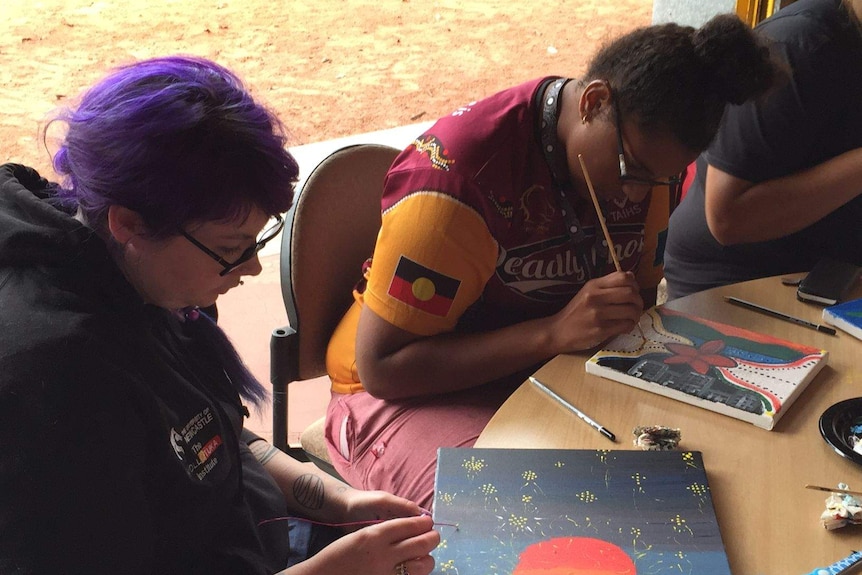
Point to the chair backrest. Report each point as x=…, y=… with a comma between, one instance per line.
x=330, y=231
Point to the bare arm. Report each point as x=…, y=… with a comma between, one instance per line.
x=377, y=550
x=393, y=363
x=396, y=532
x=317, y=495
x=738, y=211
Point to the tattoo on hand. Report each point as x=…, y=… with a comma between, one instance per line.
x=308, y=491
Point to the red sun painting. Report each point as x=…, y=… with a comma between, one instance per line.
x=574, y=556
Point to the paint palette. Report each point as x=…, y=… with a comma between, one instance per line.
x=841, y=427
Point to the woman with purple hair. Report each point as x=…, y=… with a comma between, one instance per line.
x=121, y=401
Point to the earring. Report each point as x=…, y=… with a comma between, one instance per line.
x=584, y=119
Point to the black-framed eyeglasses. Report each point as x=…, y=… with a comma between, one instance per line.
x=249, y=253
x=672, y=183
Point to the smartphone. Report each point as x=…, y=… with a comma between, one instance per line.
x=828, y=281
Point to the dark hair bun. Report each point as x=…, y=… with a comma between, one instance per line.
x=736, y=64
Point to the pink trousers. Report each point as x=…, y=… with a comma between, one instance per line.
x=392, y=445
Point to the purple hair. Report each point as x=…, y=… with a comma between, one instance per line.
x=176, y=139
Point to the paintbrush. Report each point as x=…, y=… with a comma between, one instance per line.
x=599, y=215
x=605, y=231
x=833, y=490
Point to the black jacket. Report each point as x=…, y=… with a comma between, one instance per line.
x=119, y=432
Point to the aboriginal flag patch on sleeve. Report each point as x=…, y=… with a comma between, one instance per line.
x=423, y=288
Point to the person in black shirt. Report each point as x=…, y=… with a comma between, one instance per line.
x=780, y=186
x=121, y=402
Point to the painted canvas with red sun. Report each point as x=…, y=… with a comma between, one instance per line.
x=575, y=512
x=751, y=376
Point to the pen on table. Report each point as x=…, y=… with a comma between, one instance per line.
x=589, y=421
x=833, y=490
x=779, y=315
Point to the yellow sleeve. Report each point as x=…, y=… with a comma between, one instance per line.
x=433, y=257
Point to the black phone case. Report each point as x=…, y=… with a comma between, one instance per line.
x=828, y=281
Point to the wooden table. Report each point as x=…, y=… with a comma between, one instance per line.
x=770, y=523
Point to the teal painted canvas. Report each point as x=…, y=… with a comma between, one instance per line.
x=575, y=512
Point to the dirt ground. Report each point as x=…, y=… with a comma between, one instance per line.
x=329, y=68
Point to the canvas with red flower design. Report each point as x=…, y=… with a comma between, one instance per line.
x=744, y=374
